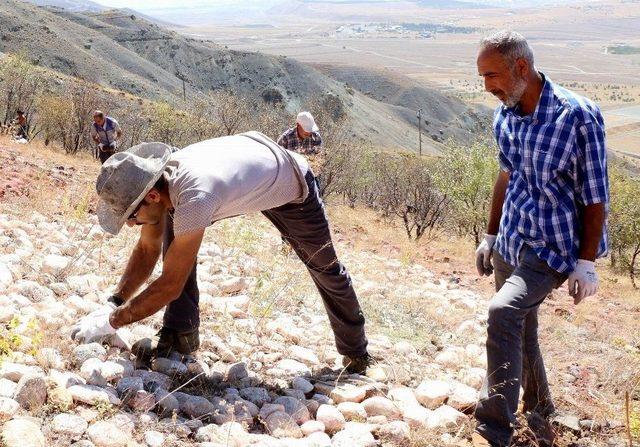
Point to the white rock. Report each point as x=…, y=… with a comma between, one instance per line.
x=451, y=357
x=463, y=398
x=292, y=367
x=55, y=264
x=233, y=285
x=318, y=439
x=92, y=395
x=50, y=358
x=154, y=438
x=7, y=388
x=433, y=393
x=353, y=437
x=395, y=433
x=331, y=417
x=405, y=348
x=446, y=417
x=312, y=427
x=281, y=425
x=352, y=411
x=21, y=433
x=381, y=406
x=82, y=353
x=416, y=416
x=403, y=396
x=6, y=277
x=348, y=393
x=107, y=434
x=15, y=371
x=69, y=425
x=304, y=355
x=8, y=408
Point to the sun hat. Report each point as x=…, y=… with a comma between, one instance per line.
x=305, y=119
x=125, y=178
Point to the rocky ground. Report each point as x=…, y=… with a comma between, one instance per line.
x=267, y=373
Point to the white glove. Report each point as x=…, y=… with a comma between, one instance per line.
x=483, y=255
x=583, y=281
x=94, y=326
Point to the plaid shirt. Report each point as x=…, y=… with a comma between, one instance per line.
x=291, y=141
x=558, y=164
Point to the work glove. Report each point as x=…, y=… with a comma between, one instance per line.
x=94, y=326
x=483, y=255
x=583, y=281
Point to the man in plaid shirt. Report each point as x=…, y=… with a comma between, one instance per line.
x=304, y=138
x=547, y=224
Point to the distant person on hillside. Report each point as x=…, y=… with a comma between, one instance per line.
x=304, y=138
x=20, y=123
x=547, y=224
x=105, y=132
x=175, y=196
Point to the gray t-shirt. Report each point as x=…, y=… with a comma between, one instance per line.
x=229, y=176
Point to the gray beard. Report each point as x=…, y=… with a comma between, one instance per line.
x=514, y=98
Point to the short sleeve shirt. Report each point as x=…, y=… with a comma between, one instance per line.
x=558, y=164
x=230, y=176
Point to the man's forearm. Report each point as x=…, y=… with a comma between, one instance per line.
x=159, y=293
x=139, y=268
x=593, y=217
x=497, y=201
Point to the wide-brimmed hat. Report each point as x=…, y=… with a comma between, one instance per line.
x=305, y=119
x=125, y=178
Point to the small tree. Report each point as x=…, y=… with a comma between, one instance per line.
x=20, y=84
x=409, y=192
x=468, y=175
x=624, y=222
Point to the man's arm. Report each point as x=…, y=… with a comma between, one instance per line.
x=497, y=201
x=142, y=260
x=177, y=266
x=593, y=218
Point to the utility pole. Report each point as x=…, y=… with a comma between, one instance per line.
x=420, y=132
x=184, y=88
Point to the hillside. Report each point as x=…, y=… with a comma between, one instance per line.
x=125, y=52
x=267, y=374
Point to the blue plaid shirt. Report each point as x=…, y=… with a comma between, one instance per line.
x=558, y=164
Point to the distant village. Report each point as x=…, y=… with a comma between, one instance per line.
x=401, y=30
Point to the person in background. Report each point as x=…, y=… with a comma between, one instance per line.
x=21, y=126
x=304, y=138
x=105, y=132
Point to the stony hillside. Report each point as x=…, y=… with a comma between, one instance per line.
x=123, y=51
x=267, y=373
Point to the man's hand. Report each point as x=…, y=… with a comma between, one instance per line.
x=483, y=255
x=94, y=326
x=583, y=281
x=100, y=146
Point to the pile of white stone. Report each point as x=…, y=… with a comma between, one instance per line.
x=260, y=379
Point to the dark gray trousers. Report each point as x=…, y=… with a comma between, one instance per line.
x=306, y=228
x=513, y=352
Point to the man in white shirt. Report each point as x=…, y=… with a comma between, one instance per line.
x=174, y=196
